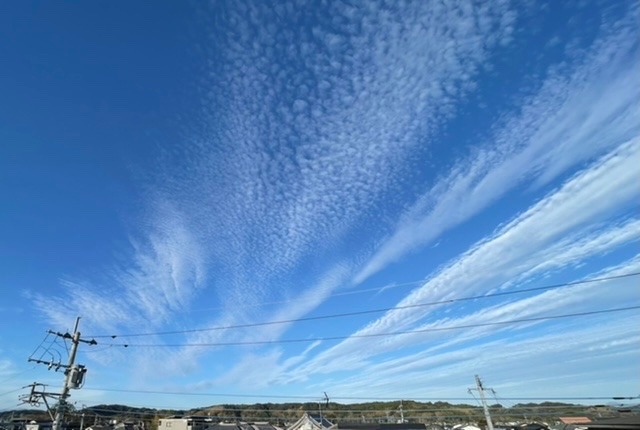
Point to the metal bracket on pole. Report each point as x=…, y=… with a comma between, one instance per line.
x=74, y=377
x=481, y=390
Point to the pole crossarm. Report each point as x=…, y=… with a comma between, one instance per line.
x=50, y=364
x=74, y=377
x=34, y=397
x=481, y=390
x=70, y=337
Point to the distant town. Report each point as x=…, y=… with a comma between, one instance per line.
x=399, y=415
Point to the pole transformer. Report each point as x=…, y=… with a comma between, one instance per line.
x=73, y=375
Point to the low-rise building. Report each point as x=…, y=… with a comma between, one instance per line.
x=312, y=422
x=184, y=423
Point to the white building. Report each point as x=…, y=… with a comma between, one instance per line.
x=312, y=422
x=185, y=423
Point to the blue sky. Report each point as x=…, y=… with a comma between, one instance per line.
x=178, y=167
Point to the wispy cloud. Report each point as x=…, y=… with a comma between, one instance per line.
x=576, y=249
x=289, y=152
x=184, y=359
x=311, y=141
x=312, y=122
x=446, y=357
x=162, y=278
x=576, y=352
x=574, y=116
x=589, y=197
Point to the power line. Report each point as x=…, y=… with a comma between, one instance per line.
x=143, y=410
x=40, y=345
x=312, y=398
x=533, y=408
x=74, y=377
x=370, y=335
x=15, y=375
x=339, y=294
x=98, y=350
x=137, y=408
x=9, y=392
x=371, y=311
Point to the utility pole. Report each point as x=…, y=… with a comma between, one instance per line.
x=35, y=396
x=481, y=390
x=75, y=340
x=74, y=374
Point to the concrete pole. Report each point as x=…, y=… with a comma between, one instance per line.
x=484, y=403
x=75, y=340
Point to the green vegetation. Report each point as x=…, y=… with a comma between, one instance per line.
x=282, y=413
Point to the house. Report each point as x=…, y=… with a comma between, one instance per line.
x=99, y=427
x=316, y=422
x=312, y=422
x=531, y=426
x=229, y=426
x=184, y=423
x=630, y=422
x=381, y=426
x=242, y=426
x=264, y=426
x=574, y=420
x=466, y=427
x=35, y=425
x=206, y=423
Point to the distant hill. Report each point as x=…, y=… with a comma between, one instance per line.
x=282, y=413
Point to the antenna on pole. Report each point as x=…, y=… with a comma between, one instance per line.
x=326, y=401
x=481, y=390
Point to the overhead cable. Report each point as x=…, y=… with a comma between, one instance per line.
x=312, y=398
x=513, y=410
x=370, y=335
x=337, y=294
x=371, y=311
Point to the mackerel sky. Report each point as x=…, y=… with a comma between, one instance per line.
x=185, y=172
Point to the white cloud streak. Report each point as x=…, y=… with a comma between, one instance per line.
x=577, y=352
x=164, y=276
x=574, y=117
x=304, y=129
x=589, y=197
x=309, y=128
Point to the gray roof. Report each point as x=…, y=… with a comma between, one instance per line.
x=630, y=422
